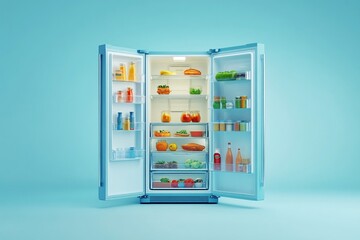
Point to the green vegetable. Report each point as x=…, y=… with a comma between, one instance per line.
x=182, y=132
x=160, y=162
x=165, y=180
x=226, y=75
x=195, y=91
x=163, y=86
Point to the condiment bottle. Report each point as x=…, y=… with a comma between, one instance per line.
x=239, y=162
x=129, y=97
x=243, y=101
x=223, y=102
x=216, y=104
x=119, y=96
x=122, y=72
x=132, y=72
x=217, y=160
x=119, y=121
x=126, y=123
x=229, y=159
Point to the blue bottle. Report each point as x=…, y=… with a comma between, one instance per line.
x=132, y=123
x=119, y=121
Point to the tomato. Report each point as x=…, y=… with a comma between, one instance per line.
x=185, y=117
x=189, y=182
x=195, y=117
x=174, y=183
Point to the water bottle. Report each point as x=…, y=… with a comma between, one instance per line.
x=132, y=123
x=119, y=121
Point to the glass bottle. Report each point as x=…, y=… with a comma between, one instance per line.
x=239, y=162
x=223, y=102
x=122, y=72
x=217, y=160
x=129, y=96
x=119, y=125
x=229, y=159
x=216, y=104
x=132, y=76
x=126, y=123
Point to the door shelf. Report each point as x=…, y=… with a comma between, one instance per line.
x=230, y=109
x=178, y=77
x=232, y=168
x=231, y=81
x=126, y=81
x=136, y=100
x=138, y=127
x=125, y=159
x=127, y=155
x=178, y=153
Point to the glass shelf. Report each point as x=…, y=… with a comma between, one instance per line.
x=125, y=159
x=179, y=96
x=178, y=77
x=229, y=81
x=125, y=155
x=178, y=152
x=177, y=124
x=229, y=109
x=136, y=100
x=138, y=127
x=126, y=81
x=230, y=132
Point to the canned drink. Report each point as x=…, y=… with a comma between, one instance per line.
x=222, y=126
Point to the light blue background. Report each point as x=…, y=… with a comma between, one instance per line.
x=49, y=83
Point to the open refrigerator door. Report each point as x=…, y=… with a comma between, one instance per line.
x=122, y=123
x=237, y=121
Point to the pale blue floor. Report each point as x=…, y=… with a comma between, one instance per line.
x=79, y=215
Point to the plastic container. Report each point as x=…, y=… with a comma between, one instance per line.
x=197, y=133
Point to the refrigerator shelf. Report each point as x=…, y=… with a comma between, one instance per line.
x=178, y=138
x=230, y=109
x=137, y=100
x=126, y=159
x=231, y=132
x=233, y=80
x=126, y=81
x=178, y=77
x=179, y=152
x=179, y=96
x=177, y=124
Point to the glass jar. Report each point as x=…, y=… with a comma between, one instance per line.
x=222, y=126
x=216, y=127
x=243, y=101
x=216, y=103
x=237, y=126
x=237, y=102
x=223, y=102
x=229, y=126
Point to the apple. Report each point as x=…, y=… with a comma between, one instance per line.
x=174, y=183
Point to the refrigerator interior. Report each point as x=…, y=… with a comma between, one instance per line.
x=234, y=124
x=126, y=140
x=178, y=165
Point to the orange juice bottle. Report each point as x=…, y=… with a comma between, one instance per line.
x=122, y=72
x=132, y=71
x=229, y=159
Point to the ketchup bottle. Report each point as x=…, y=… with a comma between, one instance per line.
x=130, y=97
x=217, y=160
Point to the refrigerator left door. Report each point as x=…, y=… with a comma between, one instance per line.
x=122, y=123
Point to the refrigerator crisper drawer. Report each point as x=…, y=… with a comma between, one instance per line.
x=179, y=181
x=179, y=162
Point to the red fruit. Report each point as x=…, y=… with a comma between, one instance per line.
x=174, y=183
x=189, y=183
x=185, y=117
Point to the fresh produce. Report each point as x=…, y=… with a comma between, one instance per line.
x=174, y=183
x=182, y=133
x=194, y=164
x=189, y=183
x=161, y=145
x=164, y=180
x=227, y=75
x=181, y=183
x=185, y=117
x=193, y=147
x=192, y=71
x=198, y=183
x=163, y=89
x=195, y=117
x=162, y=133
x=163, y=164
x=172, y=147
x=166, y=72
x=165, y=117
x=195, y=91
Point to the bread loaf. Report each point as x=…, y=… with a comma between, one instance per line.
x=192, y=71
x=193, y=147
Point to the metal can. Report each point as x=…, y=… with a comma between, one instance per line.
x=237, y=126
x=243, y=126
x=222, y=126
x=229, y=126
x=216, y=126
x=237, y=102
x=243, y=100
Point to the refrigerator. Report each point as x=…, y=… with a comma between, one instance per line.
x=165, y=117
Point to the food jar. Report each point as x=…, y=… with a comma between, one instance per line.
x=237, y=126
x=216, y=127
x=165, y=116
x=223, y=102
x=195, y=116
x=243, y=126
x=243, y=101
x=216, y=103
x=237, y=102
x=186, y=117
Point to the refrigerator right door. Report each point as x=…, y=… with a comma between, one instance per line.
x=237, y=121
